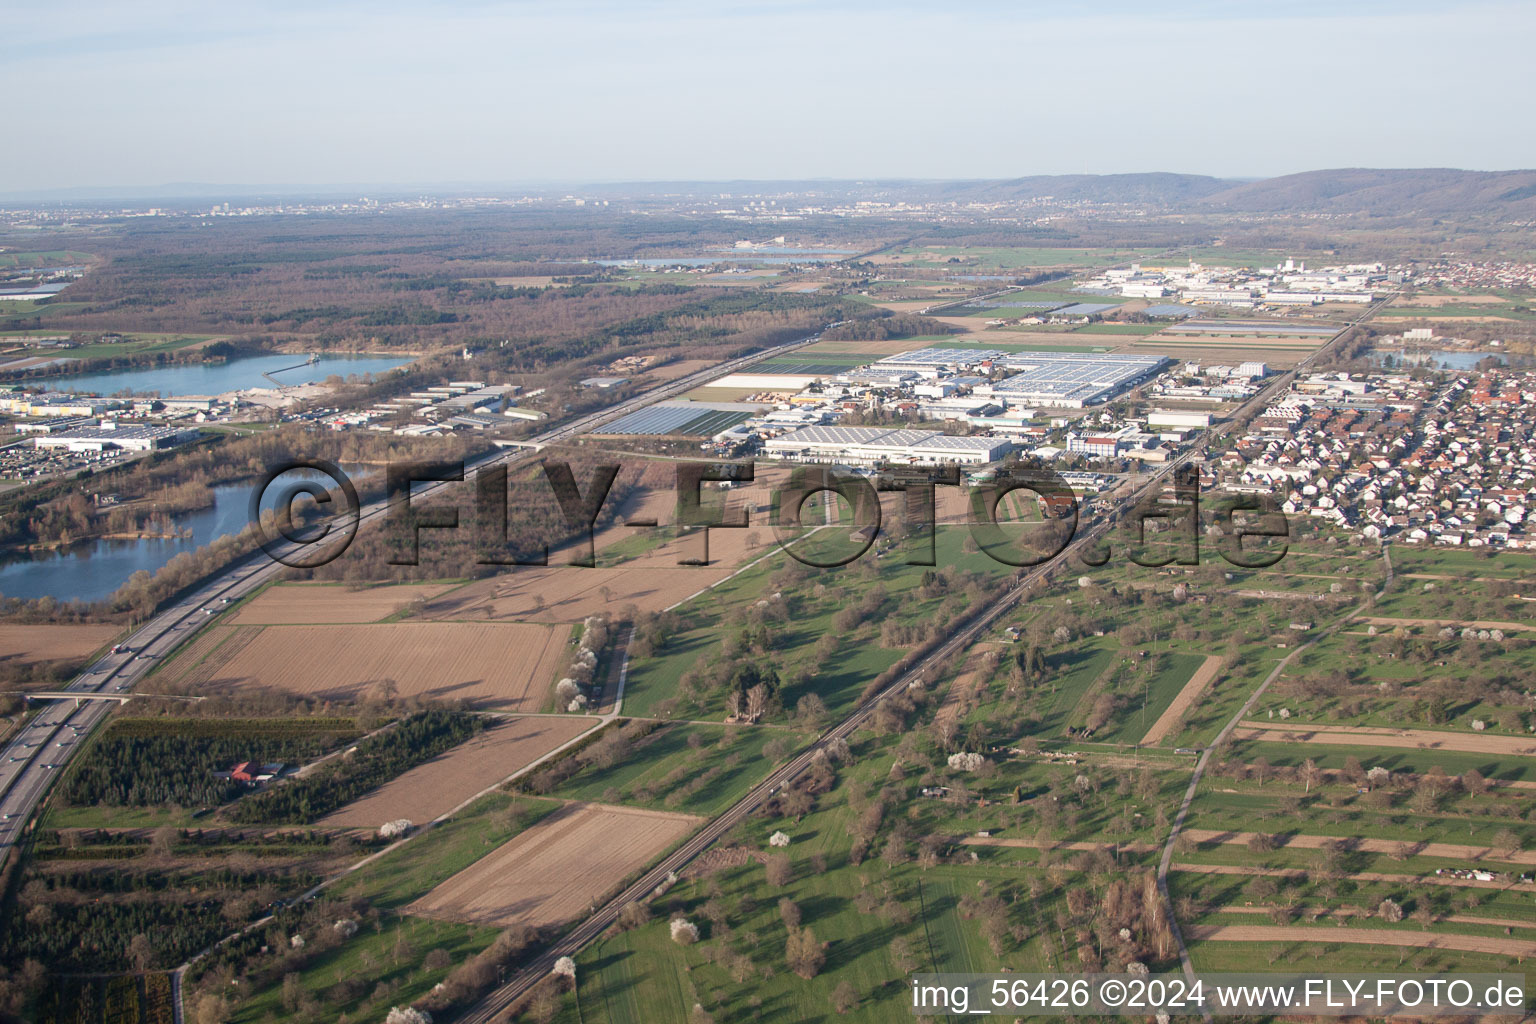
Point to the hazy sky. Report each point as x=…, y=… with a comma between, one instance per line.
x=269, y=91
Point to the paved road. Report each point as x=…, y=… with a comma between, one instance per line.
x=38, y=753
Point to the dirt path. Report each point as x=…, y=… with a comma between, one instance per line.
x=1373, y=736
x=1352, y=913
x=1038, y=844
x=1366, y=936
x=1449, y=851
x=618, y=667
x=1202, y=678
x=1358, y=876
x=1478, y=624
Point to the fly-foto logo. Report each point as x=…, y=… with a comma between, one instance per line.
x=1163, y=528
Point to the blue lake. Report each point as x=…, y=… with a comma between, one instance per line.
x=1444, y=360
x=217, y=378
x=93, y=570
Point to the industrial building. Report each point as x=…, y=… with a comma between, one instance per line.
x=111, y=434
x=1183, y=420
x=868, y=446
x=1064, y=379
x=934, y=361
x=681, y=419
x=1071, y=380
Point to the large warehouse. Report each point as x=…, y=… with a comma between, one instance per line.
x=1071, y=380
x=111, y=434
x=682, y=419
x=867, y=446
x=1063, y=379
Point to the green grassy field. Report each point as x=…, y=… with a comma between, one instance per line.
x=371, y=954
x=1337, y=810
x=658, y=771
x=45, y=258
x=1342, y=957
x=1156, y=694
x=1103, y=328
x=28, y=310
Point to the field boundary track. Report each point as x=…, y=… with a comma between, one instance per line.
x=1365, y=936
x=1374, y=736
x=1357, y=876
x=1449, y=851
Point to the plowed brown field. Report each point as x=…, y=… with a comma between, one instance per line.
x=567, y=594
x=443, y=783
x=554, y=870
x=52, y=643
x=496, y=665
x=1365, y=936
x=308, y=603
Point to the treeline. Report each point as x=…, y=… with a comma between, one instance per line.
x=374, y=762
x=897, y=325
x=157, y=762
x=153, y=880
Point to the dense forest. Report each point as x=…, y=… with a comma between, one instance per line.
x=170, y=761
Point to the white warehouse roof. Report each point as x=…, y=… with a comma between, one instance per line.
x=870, y=444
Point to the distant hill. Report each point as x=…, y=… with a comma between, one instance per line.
x=1427, y=192
x=1433, y=192
x=1420, y=192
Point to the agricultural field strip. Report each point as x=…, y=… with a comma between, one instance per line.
x=1417, y=739
x=429, y=790
x=1186, y=867
x=1369, y=936
x=552, y=871
x=417, y=658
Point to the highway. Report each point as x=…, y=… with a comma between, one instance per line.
x=38, y=754
x=503, y=998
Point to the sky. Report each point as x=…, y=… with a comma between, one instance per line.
x=285, y=92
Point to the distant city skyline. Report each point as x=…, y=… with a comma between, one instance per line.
x=523, y=94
